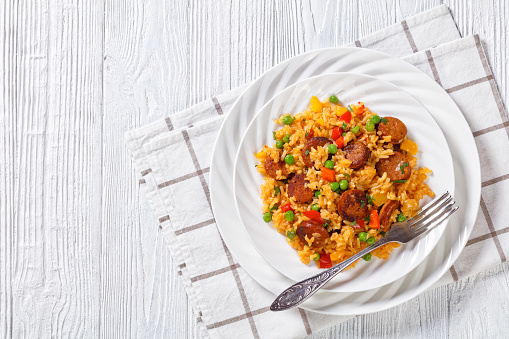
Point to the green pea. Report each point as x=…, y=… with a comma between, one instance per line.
x=370, y=126
x=290, y=234
x=289, y=215
x=267, y=217
x=286, y=138
x=333, y=99
x=333, y=149
x=316, y=207
x=362, y=236
x=329, y=164
x=401, y=217
x=371, y=241
x=316, y=257
x=367, y=257
x=289, y=159
x=277, y=190
x=317, y=193
x=334, y=186
x=375, y=119
x=383, y=233
x=280, y=144
x=343, y=184
x=355, y=130
x=288, y=120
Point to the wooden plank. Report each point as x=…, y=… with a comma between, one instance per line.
x=51, y=96
x=146, y=75
x=7, y=172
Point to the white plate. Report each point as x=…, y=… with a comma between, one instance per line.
x=380, y=97
x=420, y=86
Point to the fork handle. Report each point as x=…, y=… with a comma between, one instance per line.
x=301, y=291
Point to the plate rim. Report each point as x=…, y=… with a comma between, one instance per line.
x=475, y=195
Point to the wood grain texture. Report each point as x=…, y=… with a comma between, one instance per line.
x=80, y=251
x=51, y=163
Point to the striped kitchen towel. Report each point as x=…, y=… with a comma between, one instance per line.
x=172, y=156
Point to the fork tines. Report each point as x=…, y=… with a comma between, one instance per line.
x=433, y=214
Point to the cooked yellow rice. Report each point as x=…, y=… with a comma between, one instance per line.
x=321, y=118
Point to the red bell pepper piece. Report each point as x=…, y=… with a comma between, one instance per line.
x=328, y=174
x=325, y=261
x=374, y=219
x=286, y=207
x=347, y=117
x=336, y=133
x=315, y=216
x=310, y=134
x=359, y=224
x=340, y=142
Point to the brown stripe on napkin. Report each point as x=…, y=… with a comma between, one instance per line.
x=145, y=172
x=238, y=318
x=493, y=86
x=214, y=273
x=168, y=124
x=469, y=84
x=453, y=273
x=409, y=36
x=433, y=67
x=165, y=218
x=184, y=177
x=492, y=229
x=491, y=129
x=487, y=236
x=495, y=180
x=218, y=107
x=305, y=320
x=195, y=227
x=192, y=153
x=240, y=288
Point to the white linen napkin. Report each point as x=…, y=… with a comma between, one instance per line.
x=172, y=156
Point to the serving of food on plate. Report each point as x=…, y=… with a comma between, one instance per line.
x=336, y=178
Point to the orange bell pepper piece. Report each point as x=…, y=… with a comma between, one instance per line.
x=340, y=142
x=374, y=219
x=328, y=174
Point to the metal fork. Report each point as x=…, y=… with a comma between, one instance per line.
x=429, y=217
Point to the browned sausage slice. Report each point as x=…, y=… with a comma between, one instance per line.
x=394, y=166
x=386, y=212
x=353, y=205
x=312, y=229
x=297, y=188
x=394, y=128
x=271, y=167
x=312, y=143
x=357, y=153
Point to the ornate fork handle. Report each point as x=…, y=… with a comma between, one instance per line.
x=299, y=292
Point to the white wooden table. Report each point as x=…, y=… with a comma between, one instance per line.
x=80, y=252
